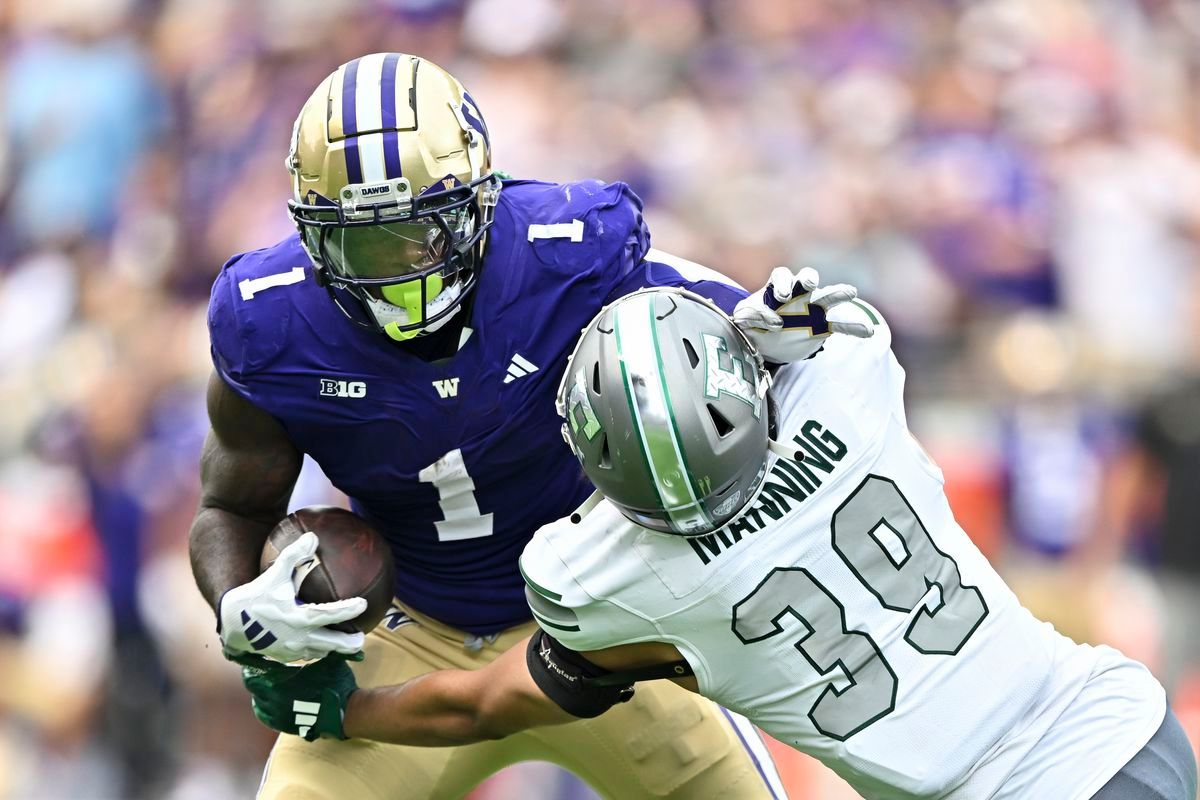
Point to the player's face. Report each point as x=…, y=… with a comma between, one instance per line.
x=390, y=250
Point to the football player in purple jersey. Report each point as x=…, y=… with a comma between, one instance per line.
x=410, y=338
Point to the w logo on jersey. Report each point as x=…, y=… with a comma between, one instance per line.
x=447, y=388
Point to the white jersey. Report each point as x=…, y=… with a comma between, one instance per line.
x=849, y=616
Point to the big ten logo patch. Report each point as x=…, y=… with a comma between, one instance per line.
x=335, y=388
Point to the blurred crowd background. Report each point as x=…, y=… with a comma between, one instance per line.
x=1016, y=183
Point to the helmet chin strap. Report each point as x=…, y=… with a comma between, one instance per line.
x=783, y=451
x=591, y=502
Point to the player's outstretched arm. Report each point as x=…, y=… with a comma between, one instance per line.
x=446, y=708
x=454, y=707
x=247, y=471
x=451, y=707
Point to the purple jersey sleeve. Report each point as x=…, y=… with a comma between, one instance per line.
x=225, y=335
x=636, y=266
x=250, y=312
x=593, y=238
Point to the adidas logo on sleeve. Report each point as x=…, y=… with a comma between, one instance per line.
x=519, y=368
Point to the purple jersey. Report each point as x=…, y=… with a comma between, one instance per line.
x=456, y=462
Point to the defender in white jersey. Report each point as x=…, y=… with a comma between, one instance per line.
x=823, y=589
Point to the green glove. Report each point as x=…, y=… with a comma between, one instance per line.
x=307, y=701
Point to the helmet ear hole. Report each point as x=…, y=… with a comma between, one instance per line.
x=720, y=422
x=692, y=355
x=605, y=454
x=596, y=377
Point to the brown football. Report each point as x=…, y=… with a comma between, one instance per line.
x=353, y=560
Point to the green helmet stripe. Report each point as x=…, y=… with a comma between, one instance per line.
x=629, y=397
x=676, y=438
x=637, y=351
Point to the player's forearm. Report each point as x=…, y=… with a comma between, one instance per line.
x=429, y=711
x=224, y=549
x=454, y=707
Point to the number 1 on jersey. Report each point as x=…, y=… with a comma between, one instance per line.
x=456, y=498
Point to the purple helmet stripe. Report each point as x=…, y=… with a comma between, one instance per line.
x=350, y=121
x=387, y=89
x=474, y=118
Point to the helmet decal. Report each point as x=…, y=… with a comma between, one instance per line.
x=471, y=114
x=732, y=381
x=370, y=119
x=729, y=504
x=579, y=409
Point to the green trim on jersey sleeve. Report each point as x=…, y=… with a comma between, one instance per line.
x=549, y=614
x=870, y=314
x=543, y=591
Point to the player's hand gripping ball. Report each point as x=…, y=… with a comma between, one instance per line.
x=351, y=560
x=327, y=579
x=789, y=318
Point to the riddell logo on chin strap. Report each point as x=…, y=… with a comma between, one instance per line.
x=336, y=388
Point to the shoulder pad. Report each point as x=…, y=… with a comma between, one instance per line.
x=552, y=592
x=250, y=308
x=576, y=615
x=578, y=227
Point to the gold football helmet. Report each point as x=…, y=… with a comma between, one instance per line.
x=393, y=190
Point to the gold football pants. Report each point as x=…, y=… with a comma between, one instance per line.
x=666, y=742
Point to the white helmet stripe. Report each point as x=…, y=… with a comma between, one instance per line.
x=370, y=149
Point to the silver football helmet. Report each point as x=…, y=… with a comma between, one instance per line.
x=666, y=407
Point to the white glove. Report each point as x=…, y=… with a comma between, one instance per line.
x=265, y=618
x=789, y=318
